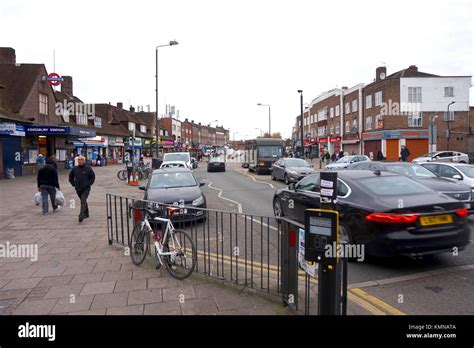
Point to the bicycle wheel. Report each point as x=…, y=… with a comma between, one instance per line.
x=122, y=174
x=183, y=261
x=138, y=244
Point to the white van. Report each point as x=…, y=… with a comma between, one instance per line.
x=178, y=156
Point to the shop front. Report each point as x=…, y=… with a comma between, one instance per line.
x=91, y=148
x=10, y=148
x=137, y=146
x=331, y=144
x=114, y=152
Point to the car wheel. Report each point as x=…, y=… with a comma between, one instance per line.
x=273, y=176
x=277, y=210
x=344, y=236
x=287, y=180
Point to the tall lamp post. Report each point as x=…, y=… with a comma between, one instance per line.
x=301, y=121
x=448, y=131
x=433, y=133
x=171, y=43
x=269, y=119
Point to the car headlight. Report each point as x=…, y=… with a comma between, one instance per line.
x=292, y=172
x=199, y=201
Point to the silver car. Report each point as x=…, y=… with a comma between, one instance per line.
x=291, y=170
x=346, y=161
x=455, y=171
x=443, y=156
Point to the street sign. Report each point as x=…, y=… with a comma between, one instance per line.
x=54, y=79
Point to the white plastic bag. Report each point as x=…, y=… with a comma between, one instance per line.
x=38, y=199
x=60, y=200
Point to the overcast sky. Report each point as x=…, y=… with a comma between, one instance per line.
x=233, y=54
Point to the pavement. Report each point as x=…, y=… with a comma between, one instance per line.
x=77, y=272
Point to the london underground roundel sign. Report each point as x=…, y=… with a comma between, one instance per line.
x=54, y=79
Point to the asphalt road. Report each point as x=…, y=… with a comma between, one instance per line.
x=237, y=190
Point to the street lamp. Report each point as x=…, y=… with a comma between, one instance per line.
x=433, y=133
x=448, y=132
x=171, y=43
x=261, y=131
x=269, y=118
x=301, y=121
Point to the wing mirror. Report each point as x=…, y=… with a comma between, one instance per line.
x=292, y=186
x=202, y=184
x=457, y=176
x=141, y=187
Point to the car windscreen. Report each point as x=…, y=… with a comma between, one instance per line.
x=430, y=154
x=466, y=170
x=269, y=151
x=411, y=170
x=177, y=157
x=168, y=180
x=344, y=159
x=392, y=185
x=296, y=163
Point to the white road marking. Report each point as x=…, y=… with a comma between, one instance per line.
x=255, y=180
x=239, y=206
x=263, y=223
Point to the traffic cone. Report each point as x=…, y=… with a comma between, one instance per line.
x=134, y=182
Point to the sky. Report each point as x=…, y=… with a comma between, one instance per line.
x=234, y=54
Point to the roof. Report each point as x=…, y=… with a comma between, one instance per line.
x=359, y=174
x=171, y=170
x=18, y=81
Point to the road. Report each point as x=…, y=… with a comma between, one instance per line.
x=237, y=189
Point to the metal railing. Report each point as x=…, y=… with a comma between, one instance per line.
x=258, y=252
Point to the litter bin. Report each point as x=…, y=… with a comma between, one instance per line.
x=156, y=163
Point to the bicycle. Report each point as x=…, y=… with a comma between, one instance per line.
x=174, y=248
x=143, y=173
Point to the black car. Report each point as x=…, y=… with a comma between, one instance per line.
x=291, y=169
x=176, y=186
x=216, y=164
x=422, y=175
x=389, y=213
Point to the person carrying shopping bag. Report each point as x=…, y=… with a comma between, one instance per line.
x=48, y=182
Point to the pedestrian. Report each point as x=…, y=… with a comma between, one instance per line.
x=341, y=154
x=353, y=153
x=327, y=156
x=82, y=177
x=53, y=162
x=380, y=156
x=404, y=153
x=97, y=161
x=333, y=156
x=47, y=180
x=40, y=162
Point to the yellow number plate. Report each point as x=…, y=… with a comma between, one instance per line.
x=436, y=220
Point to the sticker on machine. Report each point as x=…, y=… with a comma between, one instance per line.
x=327, y=192
x=326, y=183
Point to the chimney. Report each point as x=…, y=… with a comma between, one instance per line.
x=413, y=68
x=7, y=55
x=380, y=73
x=119, y=105
x=66, y=86
x=344, y=88
x=132, y=109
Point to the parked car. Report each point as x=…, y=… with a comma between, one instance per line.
x=291, y=169
x=455, y=171
x=443, y=156
x=173, y=164
x=389, y=213
x=345, y=161
x=216, y=164
x=178, y=156
x=176, y=186
x=422, y=175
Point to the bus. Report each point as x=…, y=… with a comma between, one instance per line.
x=261, y=153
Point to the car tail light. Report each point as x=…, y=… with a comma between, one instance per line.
x=391, y=218
x=261, y=163
x=462, y=212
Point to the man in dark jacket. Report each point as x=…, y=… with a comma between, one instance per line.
x=404, y=153
x=82, y=177
x=47, y=183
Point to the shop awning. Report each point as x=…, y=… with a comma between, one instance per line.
x=352, y=141
x=58, y=130
x=87, y=143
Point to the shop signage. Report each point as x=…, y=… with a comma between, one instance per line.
x=9, y=128
x=138, y=141
x=51, y=130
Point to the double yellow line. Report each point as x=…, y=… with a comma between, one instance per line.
x=368, y=302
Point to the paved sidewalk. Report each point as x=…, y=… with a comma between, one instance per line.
x=77, y=272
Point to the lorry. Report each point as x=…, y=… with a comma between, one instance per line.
x=261, y=153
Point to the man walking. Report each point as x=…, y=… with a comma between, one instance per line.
x=47, y=183
x=404, y=153
x=82, y=177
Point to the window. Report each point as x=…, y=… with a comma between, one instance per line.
x=142, y=128
x=354, y=125
x=414, y=119
x=348, y=108
x=174, y=127
x=338, y=129
x=451, y=116
x=449, y=91
x=414, y=94
x=308, y=183
x=355, y=105
x=395, y=185
x=368, y=101
x=368, y=123
x=322, y=114
x=337, y=111
x=448, y=172
x=131, y=126
x=378, y=98
x=331, y=112
x=378, y=121
x=348, y=127
x=81, y=119
x=98, y=122
x=43, y=104
x=331, y=130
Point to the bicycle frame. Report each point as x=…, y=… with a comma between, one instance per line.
x=169, y=229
